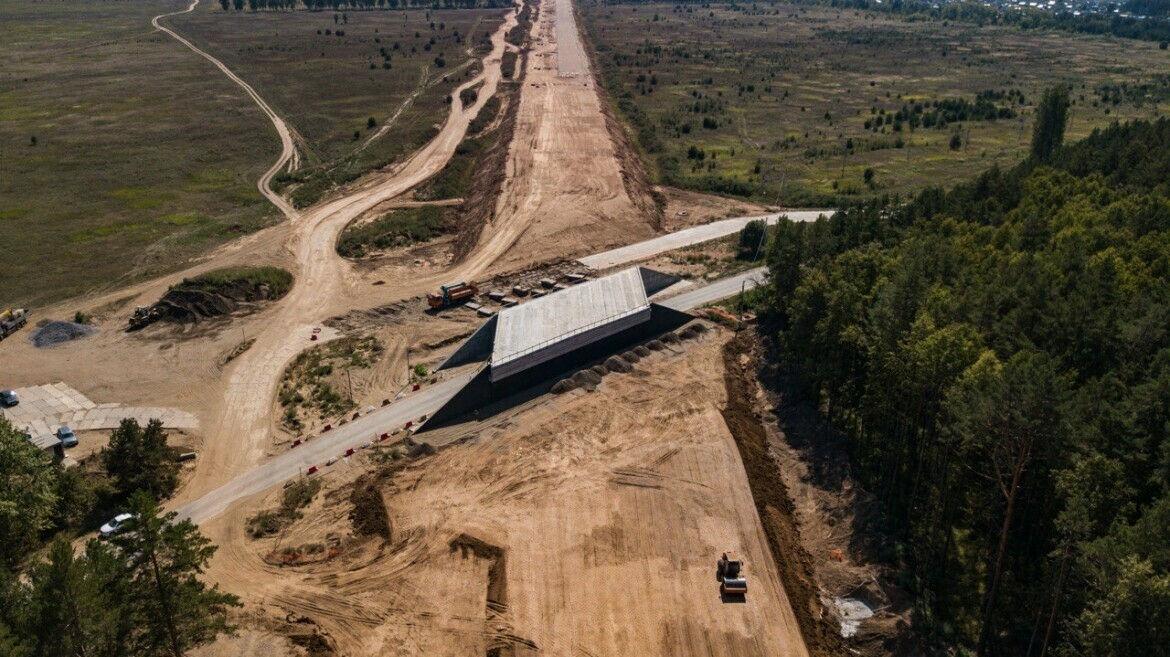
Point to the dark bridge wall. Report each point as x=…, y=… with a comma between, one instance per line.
x=481, y=392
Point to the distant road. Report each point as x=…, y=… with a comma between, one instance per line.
x=687, y=237
x=365, y=429
x=720, y=289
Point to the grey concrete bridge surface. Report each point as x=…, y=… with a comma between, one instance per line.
x=369, y=427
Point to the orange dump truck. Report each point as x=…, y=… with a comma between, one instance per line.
x=450, y=295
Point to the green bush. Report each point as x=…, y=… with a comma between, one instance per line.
x=398, y=228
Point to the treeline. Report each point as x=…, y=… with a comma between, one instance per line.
x=998, y=356
x=1026, y=18
x=1153, y=26
x=135, y=595
x=357, y=5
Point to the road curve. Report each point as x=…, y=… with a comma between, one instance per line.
x=288, y=150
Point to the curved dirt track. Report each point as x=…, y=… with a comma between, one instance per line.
x=288, y=149
x=239, y=434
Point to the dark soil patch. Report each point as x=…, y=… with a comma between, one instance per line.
x=369, y=515
x=773, y=504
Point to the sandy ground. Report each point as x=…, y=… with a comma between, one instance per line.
x=564, y=194
x=608, y=511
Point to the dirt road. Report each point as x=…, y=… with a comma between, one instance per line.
x=288, y=150
x=240, y=432
x=564, y=194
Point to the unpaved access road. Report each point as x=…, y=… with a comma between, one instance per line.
x=687, y=237
x=564, y=192
x=239, y=434
x=288, y=149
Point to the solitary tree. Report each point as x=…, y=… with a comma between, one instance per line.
x=1051, y=119
x=164, y=559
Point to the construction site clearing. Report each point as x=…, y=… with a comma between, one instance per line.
x=585, y=523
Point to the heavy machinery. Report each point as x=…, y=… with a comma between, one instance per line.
x=731, y=579
x=144, y=315
x=11, y=320
x=450, y=295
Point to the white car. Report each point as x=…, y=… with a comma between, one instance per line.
x=116, y=525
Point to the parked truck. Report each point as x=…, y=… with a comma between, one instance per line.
x=450, y=295
x=12, y=320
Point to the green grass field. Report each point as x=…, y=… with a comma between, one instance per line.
x=143, y=156
x=328, y=87
x=146, y=155
x=772, y=101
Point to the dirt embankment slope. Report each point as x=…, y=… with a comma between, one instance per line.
x=773, y=502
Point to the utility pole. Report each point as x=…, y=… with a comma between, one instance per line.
x=350, y=382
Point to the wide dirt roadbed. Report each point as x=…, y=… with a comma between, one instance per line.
x=586, y=524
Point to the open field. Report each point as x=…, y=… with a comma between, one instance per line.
x=145, y=154
x=774, y=104
x=328, y=76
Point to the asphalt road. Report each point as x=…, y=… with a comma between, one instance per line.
x=720, y=289
x=686, y=237
x=395, y=416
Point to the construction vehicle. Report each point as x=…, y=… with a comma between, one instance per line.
x=450, y=295
x=11, y=320
x=731, y=579
x=144, y=315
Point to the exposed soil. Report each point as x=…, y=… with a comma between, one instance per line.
x=585, y=524
x=479, y=206
x=840, y=521
x=821, y=632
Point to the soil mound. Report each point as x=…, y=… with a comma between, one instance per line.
x=599, y=370
x=58, y=332
x=369, y=515
x=655, y=345
x=642, y=351
x=587, y=379
x=615, y=364
x=563, y=386
x=631, y=357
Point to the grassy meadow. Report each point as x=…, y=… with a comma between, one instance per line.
x=125, y=154
x=793, y=104
x=143, y=154
x=328, y=73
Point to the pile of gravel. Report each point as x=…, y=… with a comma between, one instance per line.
x=669, y=338
x=631, y=357
x=58, y=332
x=655, y=345
x=642, y=351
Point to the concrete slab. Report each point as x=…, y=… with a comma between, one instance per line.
x=44, y=408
